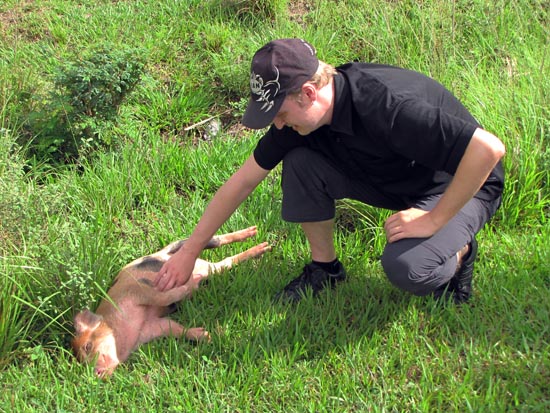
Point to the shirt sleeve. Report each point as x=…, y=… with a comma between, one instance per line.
x=274, y=145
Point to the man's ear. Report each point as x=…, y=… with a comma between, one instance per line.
x=309, y=94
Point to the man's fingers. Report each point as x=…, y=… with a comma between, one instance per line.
x=160, y=275
x=159, y=282
x=169, y=283
x=162, y=281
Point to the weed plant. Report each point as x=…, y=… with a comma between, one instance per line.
x=67, y=228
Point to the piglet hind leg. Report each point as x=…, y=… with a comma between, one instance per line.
x=231, y=237
x=229, y=262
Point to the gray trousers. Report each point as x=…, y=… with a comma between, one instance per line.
x=311, y=185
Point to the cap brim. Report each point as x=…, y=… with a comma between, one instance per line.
x=256, y=118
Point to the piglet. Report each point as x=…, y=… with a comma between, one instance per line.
x=134, y=312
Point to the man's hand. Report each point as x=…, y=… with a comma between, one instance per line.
x=176, y=271
x=482, y=154
x=410, y=223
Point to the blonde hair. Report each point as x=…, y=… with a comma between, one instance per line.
x=325, y=72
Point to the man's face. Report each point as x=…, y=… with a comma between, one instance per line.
x=298, y=113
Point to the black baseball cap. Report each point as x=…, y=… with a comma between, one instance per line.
x=279, y=67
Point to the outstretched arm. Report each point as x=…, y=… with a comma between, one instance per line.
x=481, y=156
x=177, y=270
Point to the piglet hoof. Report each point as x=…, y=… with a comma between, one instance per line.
x=197, y=334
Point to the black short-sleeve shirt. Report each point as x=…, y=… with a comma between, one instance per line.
x=397, y=129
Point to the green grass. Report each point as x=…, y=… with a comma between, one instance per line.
x=66, y=230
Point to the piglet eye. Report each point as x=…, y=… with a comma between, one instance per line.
x=88, y=347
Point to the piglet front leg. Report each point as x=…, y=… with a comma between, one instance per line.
x=166, y=327
x=197, y=334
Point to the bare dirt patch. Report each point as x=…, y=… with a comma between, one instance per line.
x=297, y=10
x=22, y=21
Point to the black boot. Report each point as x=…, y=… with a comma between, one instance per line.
x=312, y=277
x=446, y=291
x=463, y=278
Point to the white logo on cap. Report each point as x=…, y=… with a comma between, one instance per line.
x=266, y=92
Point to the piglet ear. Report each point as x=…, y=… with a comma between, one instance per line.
x=86, y=320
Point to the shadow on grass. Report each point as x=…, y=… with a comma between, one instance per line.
x=248, y=324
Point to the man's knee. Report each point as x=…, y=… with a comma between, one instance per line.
x=405, y=273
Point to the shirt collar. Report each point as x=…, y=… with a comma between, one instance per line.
x=342, y=112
